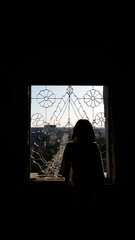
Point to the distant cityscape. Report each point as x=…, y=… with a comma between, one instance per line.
x=47, y=145
x=49, y=133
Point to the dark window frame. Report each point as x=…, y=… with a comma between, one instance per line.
x=109, y=179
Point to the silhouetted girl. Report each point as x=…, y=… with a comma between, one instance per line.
x=81, y=164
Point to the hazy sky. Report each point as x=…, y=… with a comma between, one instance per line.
x=64, y=105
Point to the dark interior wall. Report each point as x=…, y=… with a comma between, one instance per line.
x=124, y=129
x=66, y=66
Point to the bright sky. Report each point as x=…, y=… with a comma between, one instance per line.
x=64, y=105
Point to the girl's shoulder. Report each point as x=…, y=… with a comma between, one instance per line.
x=73, y=144
x=69, y=145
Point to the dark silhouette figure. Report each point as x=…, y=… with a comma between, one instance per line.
x=82, y=165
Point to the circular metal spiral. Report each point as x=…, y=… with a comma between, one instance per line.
x=37, y=119
x=46, y=98
x=93, y=98
x=99, y=119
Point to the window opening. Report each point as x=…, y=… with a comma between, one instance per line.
x=54, y=112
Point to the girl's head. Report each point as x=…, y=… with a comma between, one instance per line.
x=83, y=130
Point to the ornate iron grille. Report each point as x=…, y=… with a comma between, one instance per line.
x=54, y=112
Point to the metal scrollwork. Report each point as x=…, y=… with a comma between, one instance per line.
x=99, y=119
x=46, y=98
x=37, y=119
x=93, y=98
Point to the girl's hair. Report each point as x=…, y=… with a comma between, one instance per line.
x=83, y=130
